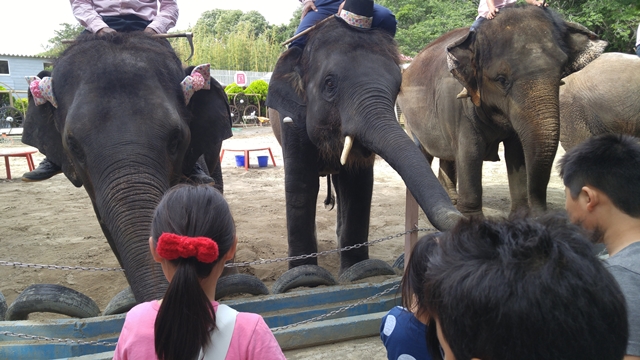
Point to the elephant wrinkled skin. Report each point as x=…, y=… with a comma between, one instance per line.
x=122, y=130
x=343, y=86
x=602, y=98
x=511, y=67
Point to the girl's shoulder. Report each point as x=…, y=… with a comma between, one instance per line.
x=143, y=310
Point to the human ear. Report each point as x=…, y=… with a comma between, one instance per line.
x=232, y=251
x=591, y=198
x=154, y=253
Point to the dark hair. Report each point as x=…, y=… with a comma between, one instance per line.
x=524, y=289
x=186, y=316
x=611, y=164
x=413, y=283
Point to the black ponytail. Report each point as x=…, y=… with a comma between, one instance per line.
x=186, y=316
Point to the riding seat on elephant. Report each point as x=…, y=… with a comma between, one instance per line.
x=333, y=111
x=126, y=121
x=512, y=68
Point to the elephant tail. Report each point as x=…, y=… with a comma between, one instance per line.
x=330, y=200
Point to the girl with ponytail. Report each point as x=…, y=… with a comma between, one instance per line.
x=192, y=235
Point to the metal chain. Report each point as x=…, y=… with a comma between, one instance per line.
x=239, y=264
x=326, y=252
x=345, y=308
x=56, y=267
x=44, y=338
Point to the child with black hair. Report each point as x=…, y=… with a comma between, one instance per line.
x=525, y=289
x=192, y=235
x=601, y=176
x=404, y=329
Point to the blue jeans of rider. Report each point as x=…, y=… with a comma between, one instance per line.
x=383, y=18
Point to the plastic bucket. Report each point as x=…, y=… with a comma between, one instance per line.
x=263, y=161
x=240, y=160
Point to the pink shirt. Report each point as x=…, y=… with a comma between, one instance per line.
x=483, y=8
x=88, y=12
x=251, y=339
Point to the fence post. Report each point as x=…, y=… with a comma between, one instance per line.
x=410, y=222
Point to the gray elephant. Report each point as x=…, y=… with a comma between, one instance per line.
x=336, y=101
x=125, y=129
x=511, y=67
x=602, y=98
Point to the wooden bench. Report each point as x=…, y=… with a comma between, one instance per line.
x=25, y=152
x=246, y=155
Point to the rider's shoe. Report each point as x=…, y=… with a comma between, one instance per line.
x=44, y=171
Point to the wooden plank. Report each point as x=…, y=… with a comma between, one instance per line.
x=63, y=328
x=329, y=331
x=410, y=222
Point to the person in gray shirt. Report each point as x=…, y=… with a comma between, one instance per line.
x=601, y=177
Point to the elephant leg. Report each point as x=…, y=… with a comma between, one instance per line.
x=301, y=193
x=517, y=173
x=353, y=192
x=212, y=158
x=448, y=179
x=469, y=167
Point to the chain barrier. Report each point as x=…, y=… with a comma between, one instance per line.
x=57, y=340
x=345, y=308
x=239, y=264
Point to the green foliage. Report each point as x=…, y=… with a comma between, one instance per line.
x=18, y=103
x=233, y=89
x=55, y=47
x=258, y=87
x=615, y=21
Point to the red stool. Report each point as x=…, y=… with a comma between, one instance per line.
x=25, y=152
x=246, y=155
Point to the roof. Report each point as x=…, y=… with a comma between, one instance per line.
x=28, y=56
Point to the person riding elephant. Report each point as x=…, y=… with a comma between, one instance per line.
x=601, y=99
x=512, y=67
x=314, y=11
x=332, y=109
x=102, y=17
x=125, y=120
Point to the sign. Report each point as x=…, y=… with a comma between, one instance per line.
x=241, y=78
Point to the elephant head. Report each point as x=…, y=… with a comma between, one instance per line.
x=336, y=101
x=123, y=129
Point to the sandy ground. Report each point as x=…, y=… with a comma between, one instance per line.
x=52, y=222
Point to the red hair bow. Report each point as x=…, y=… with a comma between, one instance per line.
x=173, y=246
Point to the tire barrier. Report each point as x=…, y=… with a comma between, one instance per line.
x=51, y=298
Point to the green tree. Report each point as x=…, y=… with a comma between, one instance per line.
x=55, y=47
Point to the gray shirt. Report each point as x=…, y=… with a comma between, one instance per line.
x=625, y=267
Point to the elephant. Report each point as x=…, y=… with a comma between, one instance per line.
x=511, y=67
x=123, y=129
x=333, y=111
x=601, y=99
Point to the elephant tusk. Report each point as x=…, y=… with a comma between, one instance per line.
x=348, y=143
x=287, y=120
x=562, y=82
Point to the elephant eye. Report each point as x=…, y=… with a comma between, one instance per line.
x=174, y=142
x=330, y=87
x=502, y=80
x=74, y=148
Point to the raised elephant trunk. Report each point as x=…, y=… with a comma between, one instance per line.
x=383, y=135
x=125, y=215
x=539, y=133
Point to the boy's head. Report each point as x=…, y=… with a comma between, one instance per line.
x=605, y=168
x=523, y=289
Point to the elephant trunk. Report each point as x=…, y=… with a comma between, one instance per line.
x=381, y=133
x=538, y=127
x=126, y=212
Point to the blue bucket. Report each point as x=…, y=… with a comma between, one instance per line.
x=240, y=160
x=263, y=161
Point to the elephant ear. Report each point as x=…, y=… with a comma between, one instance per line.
x=40, y=131
x=286, y=87
x=584, y=47
x=210, y=122
x=461, y=63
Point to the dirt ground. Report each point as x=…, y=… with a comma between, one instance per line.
x=52, y=222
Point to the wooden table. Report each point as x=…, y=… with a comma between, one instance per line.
x=246, y=155
x=25, y=152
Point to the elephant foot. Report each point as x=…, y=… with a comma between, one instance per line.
x=51, y=298
x=121, y=303
x=3, y=307
x=303, y=275
x=366, y=268
x=240, y=284
x=199, y=176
